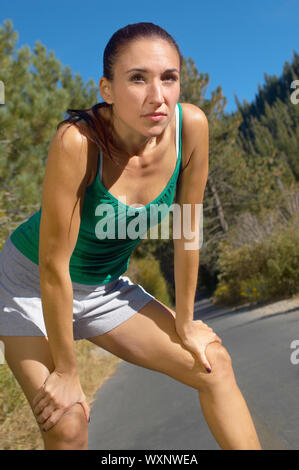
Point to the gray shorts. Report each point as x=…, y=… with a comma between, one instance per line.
x=96, y=308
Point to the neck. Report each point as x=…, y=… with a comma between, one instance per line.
x=133, y=143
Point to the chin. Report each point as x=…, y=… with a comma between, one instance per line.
x=155, y=131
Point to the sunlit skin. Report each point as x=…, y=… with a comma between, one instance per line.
x=136, y=93
x=155, y=337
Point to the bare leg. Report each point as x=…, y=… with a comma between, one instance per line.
x=224, y=407
x=30, y=361
x=149, y=339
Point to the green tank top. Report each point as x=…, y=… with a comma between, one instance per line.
x=109, y=229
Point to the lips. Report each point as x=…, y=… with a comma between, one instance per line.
x=155, y=114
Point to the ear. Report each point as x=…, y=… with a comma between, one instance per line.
x=105, y=90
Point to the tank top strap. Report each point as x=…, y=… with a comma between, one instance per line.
x=179, y=133
x=100, y=165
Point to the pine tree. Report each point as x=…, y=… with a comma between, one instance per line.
x=38, y=91
x=270, y=128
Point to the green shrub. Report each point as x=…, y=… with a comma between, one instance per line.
x=146, y=272
x=266, y=270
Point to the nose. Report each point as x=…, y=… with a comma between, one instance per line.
x=156, y=93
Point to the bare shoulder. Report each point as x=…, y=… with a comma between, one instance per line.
x=71, y=137
x=72, y=144
x=194, y=127
x=193, y=118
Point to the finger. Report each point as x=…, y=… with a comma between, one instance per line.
x=53, y=419
x=204, y=360
x=86, y=409
x=202, y=324
x=215, y=337
x=45, y=413
x=41, y=405
x=40, y=393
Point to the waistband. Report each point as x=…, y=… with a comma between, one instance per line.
x=16, y=256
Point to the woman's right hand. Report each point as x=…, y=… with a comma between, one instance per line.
x=59, y=393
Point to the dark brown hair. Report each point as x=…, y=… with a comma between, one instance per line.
x=118, y=41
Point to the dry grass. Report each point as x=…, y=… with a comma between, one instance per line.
x=19, y=430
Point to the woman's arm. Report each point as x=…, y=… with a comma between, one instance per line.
x=186, y=265
x=64, y=184
x=195, y=335
x=190, y=198
x=66, y=177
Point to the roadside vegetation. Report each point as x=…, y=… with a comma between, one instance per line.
x=250, y=251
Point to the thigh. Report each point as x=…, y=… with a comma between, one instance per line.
x=149, y=339
x=29, y=358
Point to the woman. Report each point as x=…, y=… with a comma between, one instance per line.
x=115, y=155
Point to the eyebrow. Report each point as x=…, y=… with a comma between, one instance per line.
x=145, y=70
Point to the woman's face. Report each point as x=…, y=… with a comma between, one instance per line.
x=155, y=88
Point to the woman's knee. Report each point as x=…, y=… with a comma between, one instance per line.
x=70, y=432
x=221, y=365
x=218, y=356
x=30, y=361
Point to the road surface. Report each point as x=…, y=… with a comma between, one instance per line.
x=142, y=409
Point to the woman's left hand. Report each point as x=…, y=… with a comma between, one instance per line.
x=196, y=336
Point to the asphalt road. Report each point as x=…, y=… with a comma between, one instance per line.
x=142, y=409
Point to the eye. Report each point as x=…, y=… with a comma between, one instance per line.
x=138, y=77
x=135, y=77
x=171, y=77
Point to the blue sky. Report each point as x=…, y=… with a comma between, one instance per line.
x=234, y=41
